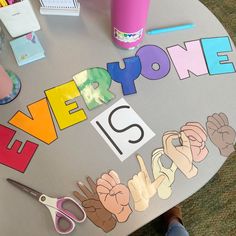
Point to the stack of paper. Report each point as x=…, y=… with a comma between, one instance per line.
x=19, y=18
x=59, y=3
x=60, y=7
x=27, y=49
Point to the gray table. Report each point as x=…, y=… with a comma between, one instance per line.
x=73, y=44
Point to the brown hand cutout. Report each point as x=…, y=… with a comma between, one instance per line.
x=221, y=133
x=94, y=208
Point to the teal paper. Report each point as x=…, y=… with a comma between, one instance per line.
x=27, y=49
x=214, y=50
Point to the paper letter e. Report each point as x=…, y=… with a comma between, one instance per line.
x=65, y=113
x=12, y=157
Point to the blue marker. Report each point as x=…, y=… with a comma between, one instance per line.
x=170, y=29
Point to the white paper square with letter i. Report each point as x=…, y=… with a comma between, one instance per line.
x=122, y=129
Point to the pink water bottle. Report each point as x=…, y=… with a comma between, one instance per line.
x=128, y=18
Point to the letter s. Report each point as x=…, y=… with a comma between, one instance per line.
x=127, y=128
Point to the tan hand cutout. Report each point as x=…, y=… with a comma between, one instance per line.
x=197, y=137
x=141, y=187
x=181, y=155
x=164, y=190
x=114, y=195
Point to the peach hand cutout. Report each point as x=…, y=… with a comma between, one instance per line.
x=114, y=195
x=164, y=190
x=141, y=187
x=221, y=133
x=197, y=137
x=181, y=155
x=93, y=207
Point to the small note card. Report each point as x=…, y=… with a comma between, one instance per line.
x=27, y=49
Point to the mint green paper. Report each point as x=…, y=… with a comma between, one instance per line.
x=94, y=86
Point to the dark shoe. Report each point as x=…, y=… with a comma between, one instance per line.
x=174, y=213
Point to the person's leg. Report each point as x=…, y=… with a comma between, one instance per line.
x=174, y=223
x=175, y=228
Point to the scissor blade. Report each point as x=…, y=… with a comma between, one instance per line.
x=33, y=193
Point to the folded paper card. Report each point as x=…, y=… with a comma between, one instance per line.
x=19, y=18
x=27, y=49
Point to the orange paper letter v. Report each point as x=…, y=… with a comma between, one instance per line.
x=39, y=125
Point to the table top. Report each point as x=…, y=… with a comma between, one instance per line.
x=75, y=44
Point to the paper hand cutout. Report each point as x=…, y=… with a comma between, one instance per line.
x=93, y=207
x=114, y=195
x=164, y=190
x=221, y=133
x=141, y=187
x=181, y=155
x=197, y=137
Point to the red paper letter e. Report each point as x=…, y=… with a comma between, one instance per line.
x=12, y=157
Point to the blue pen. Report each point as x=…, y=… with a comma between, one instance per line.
x=170, y=29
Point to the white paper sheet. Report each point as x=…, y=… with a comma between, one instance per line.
x=122, y=129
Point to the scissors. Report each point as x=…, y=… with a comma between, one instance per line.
x=63, y=219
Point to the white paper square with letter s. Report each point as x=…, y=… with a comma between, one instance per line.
x=122, y=129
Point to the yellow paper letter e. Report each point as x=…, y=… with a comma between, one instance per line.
x=65, y=113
